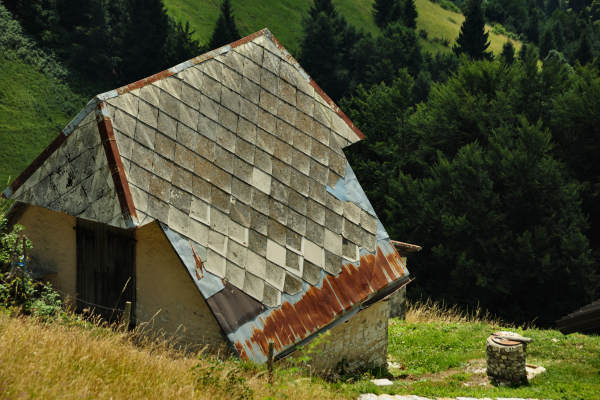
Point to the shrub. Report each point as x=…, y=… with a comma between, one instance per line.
x=18, y=290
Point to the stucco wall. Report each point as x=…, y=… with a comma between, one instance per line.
x=361, y=342
x=166, y=295
x=53, y=237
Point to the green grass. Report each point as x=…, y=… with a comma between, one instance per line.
x=444, y=24
x=284, y=19
x=33, y=110
x=433, y=357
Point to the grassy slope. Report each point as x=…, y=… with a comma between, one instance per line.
x=443, y=24
x=63, y=361
x=33, y=110
x=284, y=17
x=58, y=360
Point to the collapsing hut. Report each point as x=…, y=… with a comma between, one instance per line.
x=215, y=196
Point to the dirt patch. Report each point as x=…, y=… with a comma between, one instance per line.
x=472, y=374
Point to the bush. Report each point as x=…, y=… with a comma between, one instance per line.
x=18, y=290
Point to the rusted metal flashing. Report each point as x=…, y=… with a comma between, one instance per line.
x=315, y=86
x=404, y=248
x=319, y=306
x=115, y=165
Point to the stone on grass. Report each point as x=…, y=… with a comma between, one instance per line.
x=382, y=382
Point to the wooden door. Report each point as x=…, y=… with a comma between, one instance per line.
x=105, y=269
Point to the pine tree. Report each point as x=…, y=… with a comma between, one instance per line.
x=325, y=48
x=577, y=5
x=595, y=10
x=583, y=54
x=473, y=39
x=551, y=6
x=145, y=39
x=508, y=53
x=225, y=30
x=546, y=43
x=386, y=11
x=533, y=28
x=409, y=14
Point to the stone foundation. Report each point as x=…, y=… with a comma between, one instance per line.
x=397, y=302
x=360, y=342
x=506, y=362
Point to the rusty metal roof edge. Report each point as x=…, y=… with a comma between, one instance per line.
x=315, y=86
x=407, y=247
x=115, y=164
x=377, y=296
x=244, y=332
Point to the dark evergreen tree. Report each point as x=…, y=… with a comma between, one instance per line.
x=473, y=39
x=595, y=10
x=409, y=14
x=533, y=28
x=145, y=39
x=225, y=30
x=551, y=6
x=578, y=5
x=327, y=47
x=181, y=45
x=386, y=11
x=546, y=43
x=583, y=53
x=508, y=53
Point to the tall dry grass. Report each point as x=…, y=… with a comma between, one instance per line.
x=61, y=361
x=432, y=311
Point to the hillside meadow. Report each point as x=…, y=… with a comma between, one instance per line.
x=284, y=19
x=33, y=110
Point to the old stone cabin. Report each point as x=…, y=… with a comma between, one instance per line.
x=216, y=197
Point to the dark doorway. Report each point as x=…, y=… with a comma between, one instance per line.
x=105, y=270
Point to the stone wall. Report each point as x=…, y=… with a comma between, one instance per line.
x=506, y=363
x=397, y=302
x=360, y=342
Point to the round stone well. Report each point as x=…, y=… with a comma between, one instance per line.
x=506, y=358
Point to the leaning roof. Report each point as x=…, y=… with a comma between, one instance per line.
x=238, y=155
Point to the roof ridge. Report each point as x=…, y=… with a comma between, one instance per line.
x=100, y=98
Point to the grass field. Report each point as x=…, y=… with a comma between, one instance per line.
x=436, y=353
x=284, y=19
x=440, y=352
x=33, y=110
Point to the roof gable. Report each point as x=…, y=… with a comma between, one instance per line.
x=73, y=175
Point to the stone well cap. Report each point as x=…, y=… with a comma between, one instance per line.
x=506, y=338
